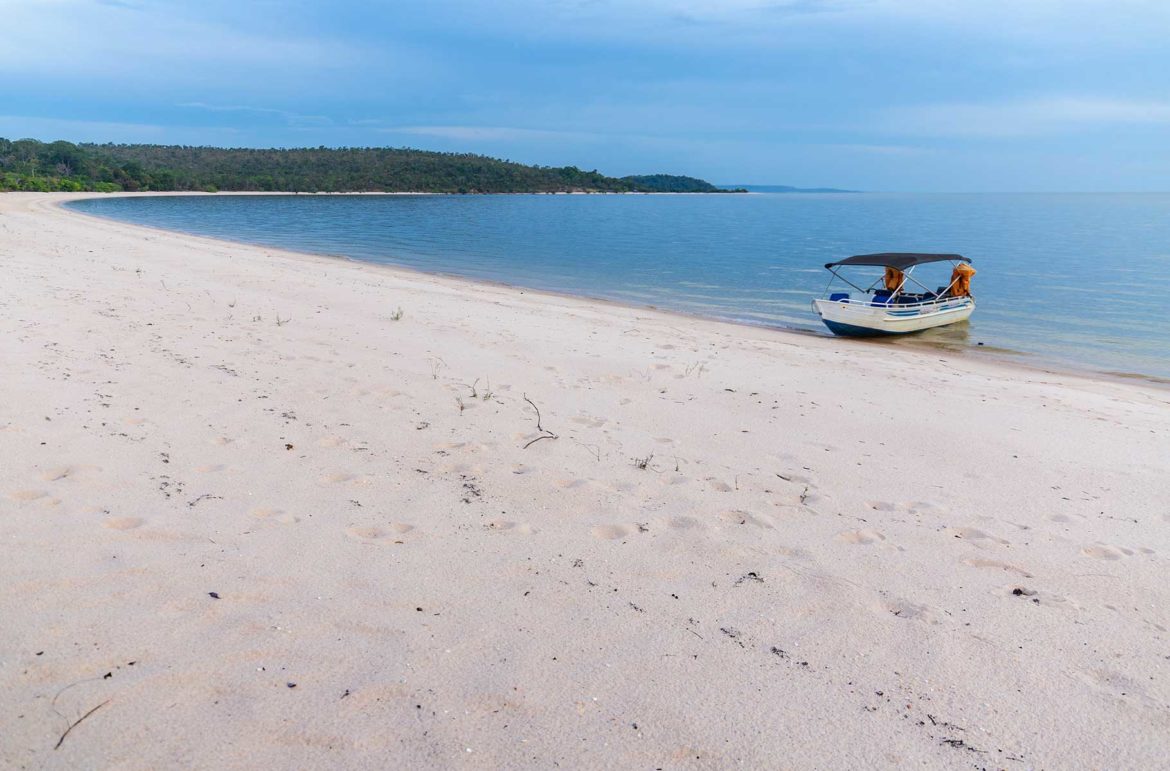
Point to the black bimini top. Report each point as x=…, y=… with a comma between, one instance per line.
x=899, y=260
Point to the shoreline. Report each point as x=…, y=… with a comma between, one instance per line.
x=250, y=509
x=1033, y=362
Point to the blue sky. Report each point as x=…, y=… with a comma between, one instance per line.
x=946, y=95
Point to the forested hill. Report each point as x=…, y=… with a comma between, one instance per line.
x=27, y=164
x=669, y=183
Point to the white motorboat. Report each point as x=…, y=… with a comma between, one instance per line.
x=886, y=306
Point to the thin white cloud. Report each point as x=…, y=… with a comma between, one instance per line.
x=492, y=133
x=162, y=41
x=1036, y=117
x=49, y=129
x=730, y=10
x=893, y=151
x=1100, y=22
x=294, y=119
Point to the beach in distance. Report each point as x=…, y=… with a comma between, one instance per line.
x=267, y=508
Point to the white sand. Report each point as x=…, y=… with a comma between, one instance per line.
x=815, y=568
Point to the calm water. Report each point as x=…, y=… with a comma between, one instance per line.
x=1079, y=279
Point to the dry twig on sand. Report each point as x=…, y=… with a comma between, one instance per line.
x=77, y=722
x=544, y=432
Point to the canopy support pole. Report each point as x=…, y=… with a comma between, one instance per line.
x=847, y=281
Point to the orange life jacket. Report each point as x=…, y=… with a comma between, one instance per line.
x=961, y=280
x=893, y=278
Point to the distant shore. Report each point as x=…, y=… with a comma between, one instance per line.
x=259, y=503
x=61, y=166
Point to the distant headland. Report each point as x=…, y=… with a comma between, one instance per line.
x=28, y=164
x=788, y=189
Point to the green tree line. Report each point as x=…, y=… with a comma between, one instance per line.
x=27, y=164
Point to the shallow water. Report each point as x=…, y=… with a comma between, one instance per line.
x=1077, y=279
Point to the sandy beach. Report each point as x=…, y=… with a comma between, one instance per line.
x=261, y=509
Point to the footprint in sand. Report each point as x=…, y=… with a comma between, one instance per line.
x=568, y=484
x=211, y=468
x=1017, y=593
x=719, y=485
x=123, y=523
x=1114, y=683
x=506, y=526
x=815, y=499
x=340, y=478
x=611, y=532
x=862, y=537
x=975, y=562
x=276, y=515
x=910, y=611
x=737, y=517
x=332, y=441
x=1103, y=551
x=392, y=533
x=27, y=495
x=977, y=537
x=926, y=507
x=222, y=441
x=685, y=523
x=55, y=474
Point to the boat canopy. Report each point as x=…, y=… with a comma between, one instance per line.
x=897, y=260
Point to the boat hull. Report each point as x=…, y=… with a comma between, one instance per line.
x=856, y=319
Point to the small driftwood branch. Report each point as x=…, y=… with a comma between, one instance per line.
x=77, y=722
x=544, y=432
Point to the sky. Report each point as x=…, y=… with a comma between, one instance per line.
x=900, y=95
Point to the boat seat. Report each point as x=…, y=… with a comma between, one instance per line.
x=836, y=296
x=881, y=297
